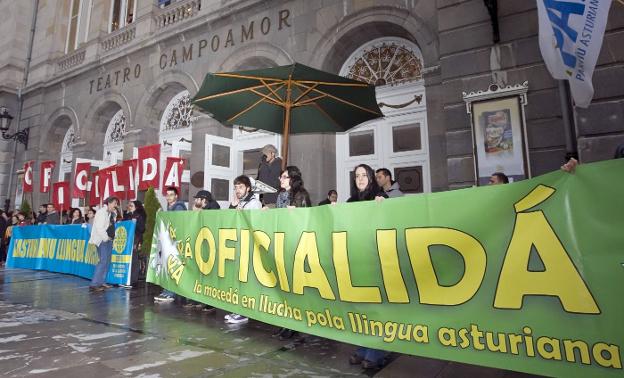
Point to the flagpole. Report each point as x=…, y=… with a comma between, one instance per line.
x=567, y=116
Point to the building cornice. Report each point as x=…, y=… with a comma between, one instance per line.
x=143, y=42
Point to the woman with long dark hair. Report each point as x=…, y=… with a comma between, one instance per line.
x=365, y=188
x=292, y=194
x=136, y=212
x=76, y=216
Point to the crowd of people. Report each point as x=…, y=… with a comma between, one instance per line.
x=367, y=185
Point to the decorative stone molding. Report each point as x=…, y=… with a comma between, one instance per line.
x=176, y=13
x=496, y=91
x=119, y=38
x=71, y=60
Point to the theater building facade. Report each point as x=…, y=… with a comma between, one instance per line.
x=104, y=77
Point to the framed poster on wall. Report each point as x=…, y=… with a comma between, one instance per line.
x=499, y=132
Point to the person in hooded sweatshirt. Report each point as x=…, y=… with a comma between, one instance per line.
x=384, y=180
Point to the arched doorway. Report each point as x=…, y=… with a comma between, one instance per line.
x=399, y=141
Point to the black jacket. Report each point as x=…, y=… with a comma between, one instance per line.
x=140, y=223
x=53, y=218
x=212, y=205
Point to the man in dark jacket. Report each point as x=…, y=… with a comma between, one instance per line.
x=205, y=201
x=269, y=172
x=52, y=216
x=43, y=213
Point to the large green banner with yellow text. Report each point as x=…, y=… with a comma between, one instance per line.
x=526, y=276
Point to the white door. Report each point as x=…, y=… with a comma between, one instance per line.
x=219, y=168
x=398, y=142
x=243, y=151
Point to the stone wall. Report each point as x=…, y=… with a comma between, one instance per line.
x=470, y=61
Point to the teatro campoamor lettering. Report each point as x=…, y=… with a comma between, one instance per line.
x=559, y=278
x=231, y=38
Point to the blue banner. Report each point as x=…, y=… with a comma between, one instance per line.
x=66, y=249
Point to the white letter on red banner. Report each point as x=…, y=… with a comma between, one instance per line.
x=60, y=195
x=28, y=176
x=173, y=173
x=149, y=166
x=81, y=179
x=45, y=175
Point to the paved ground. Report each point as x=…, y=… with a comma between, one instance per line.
x=51, y=326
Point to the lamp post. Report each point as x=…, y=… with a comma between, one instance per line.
x=21, y=136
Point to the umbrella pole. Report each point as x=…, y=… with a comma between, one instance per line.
x=287, y=106
x=286, y=134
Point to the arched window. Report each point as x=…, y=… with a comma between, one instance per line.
x=176, y=132
x=113, y=140
x=67, y=154
x=399, y=141
x=178, y=113
x=385, y=61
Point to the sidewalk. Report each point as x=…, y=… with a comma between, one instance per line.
x=51, y=326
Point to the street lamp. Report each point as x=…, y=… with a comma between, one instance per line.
x=5, y=122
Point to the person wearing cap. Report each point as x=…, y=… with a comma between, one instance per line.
x=269, y=172
x=205, y=201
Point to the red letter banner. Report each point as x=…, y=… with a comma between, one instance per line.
x=95, y=196
x=117, y=178
x=130, y=178
x=60, y=195
x=28, y=176
x=173, y=173
x=81, y=180
x=45, y=175
x=149, y=166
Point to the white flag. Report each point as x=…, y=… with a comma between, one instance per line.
x=570, y=37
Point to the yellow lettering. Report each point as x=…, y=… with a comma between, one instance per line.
x=390, y=267
x=307, y=249
x=279, y=261
x=243, y=269
x=225, y=252
x=418, y=241
x=346, y=290
x=262, y=241
x=205, y=235
x=559, y=278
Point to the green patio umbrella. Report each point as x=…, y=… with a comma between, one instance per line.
x=288, y=100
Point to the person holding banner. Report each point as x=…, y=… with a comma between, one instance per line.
x=173, y=204
x=293, y=194
x=136, y=212
x=23, y=220
x=52, y=217
x=366, y=189
x=76, y=216
x=102, y=235
x=43, y=212
x=244, y=199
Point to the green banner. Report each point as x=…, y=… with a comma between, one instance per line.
x=522, y=276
